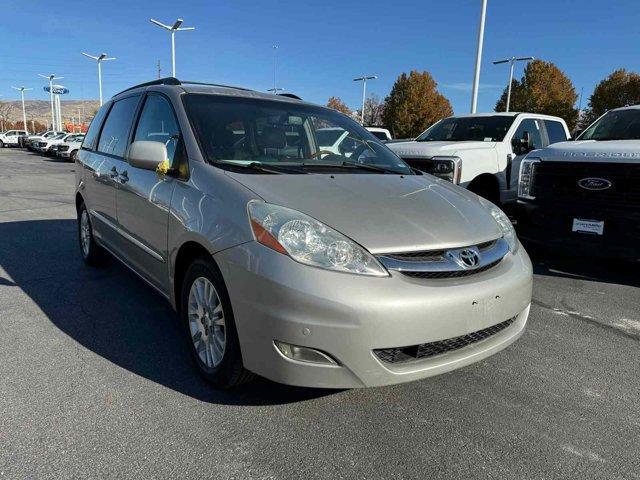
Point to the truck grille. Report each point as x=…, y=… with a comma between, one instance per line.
x=63, y=148
x=558, y=181
x=427, y=350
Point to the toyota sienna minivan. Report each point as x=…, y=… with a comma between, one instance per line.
x=306, y=266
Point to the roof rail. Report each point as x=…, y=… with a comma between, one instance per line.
x=189, y=82
x=160, y=81
x=289, y=95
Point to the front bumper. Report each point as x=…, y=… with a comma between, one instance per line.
x=550, y=224
x=350, y=316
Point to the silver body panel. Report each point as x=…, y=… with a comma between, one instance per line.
x=144, y=219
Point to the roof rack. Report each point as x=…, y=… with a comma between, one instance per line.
x=289, y=95
x=175, y=81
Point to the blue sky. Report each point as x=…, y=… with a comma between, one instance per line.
x=322, y=44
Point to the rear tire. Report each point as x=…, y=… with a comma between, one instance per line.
x=72, y=155
x=1, y=144
x=207, y=318
x=91, y=252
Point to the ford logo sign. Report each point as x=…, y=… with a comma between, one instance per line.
x=593, y=183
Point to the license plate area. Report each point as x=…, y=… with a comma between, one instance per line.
x=591, y=227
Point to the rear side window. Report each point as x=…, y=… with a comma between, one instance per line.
x=115, y=133
x=91, y=137
x=158, y=124
x=555, y=131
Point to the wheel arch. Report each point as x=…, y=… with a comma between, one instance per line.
x=486, y=183
x=189, y=251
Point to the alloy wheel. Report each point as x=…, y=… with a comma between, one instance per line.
x=206, y=322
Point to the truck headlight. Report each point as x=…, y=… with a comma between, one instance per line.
x=525, y=179
x=447, y=168
x=309, y=241
x=505, y=225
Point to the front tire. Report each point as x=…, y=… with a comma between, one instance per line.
x=207, y=317
x=91, y=252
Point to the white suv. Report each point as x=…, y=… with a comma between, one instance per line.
x=482, y=152
x=10, y=138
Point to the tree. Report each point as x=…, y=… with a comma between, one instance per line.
x=373, y=109
x=619, y=89
x=337, y=104
x=414, y=104
x=544, y=88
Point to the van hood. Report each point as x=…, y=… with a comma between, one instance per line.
x=383, y=213
x=609, y=151
x=431, y=149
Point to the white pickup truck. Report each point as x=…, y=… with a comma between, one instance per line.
x=482, y=152
x=10, y=138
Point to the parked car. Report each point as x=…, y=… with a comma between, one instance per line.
x=314, y=268
x=382, y=134
x=482, y=152
x=70, y=146
x=33, y=140
x=584, y=196
x=10, y=138
x=46, y=145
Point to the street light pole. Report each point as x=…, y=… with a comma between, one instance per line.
x=275, y=68
x=24, y=115
x=476, y=74
x=364, y=79
x=512, y=61
x=51, y=78
x=99, y=58
x=173, y=29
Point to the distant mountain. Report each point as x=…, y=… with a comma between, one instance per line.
x=40, y=110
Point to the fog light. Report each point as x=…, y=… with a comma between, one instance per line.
x=303, y=354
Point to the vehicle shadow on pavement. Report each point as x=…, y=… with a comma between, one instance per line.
x=592, y=269
x=113, y=313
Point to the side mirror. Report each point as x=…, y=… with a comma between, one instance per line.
x=524, y=145
x=146, y=155
x=576, y=134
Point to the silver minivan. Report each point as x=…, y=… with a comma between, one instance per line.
x=311, y=267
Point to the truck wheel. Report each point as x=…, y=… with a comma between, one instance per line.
x=1, y=144
x=207, y=318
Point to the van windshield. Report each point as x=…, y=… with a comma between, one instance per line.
x=288, y=136
x=462, y=129
x=615, y=125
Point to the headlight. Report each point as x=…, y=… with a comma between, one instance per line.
x=505, y=225
x=309, y=241
x=525, y=182
x=447, y=168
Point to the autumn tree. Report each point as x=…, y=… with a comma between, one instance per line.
x=337, y=104
x=543, y=88
x=414, y=104
x=619, y=89
x=373, y=109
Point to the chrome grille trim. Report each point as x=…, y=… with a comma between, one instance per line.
x=490, y=253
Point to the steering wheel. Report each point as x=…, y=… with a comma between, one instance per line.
x=321, y=152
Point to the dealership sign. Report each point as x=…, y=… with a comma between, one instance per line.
x=57, y=90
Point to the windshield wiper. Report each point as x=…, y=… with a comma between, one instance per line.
x=260, y=167
x=351, y=165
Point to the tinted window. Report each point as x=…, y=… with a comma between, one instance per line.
x=460, y=129
x=380, y=135
x=94, y=128
x=114, y=136
x=158, y=124
x=533, y=127
x=555, y=131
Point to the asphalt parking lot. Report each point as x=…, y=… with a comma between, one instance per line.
x=95, y=380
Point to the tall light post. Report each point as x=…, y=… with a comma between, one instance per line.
x=173, y=29
x=24, y=114
x=364, y=79
x=476, y=73
x=275, y=69
x=51, y=78
x=511, y=61
x=99, y=58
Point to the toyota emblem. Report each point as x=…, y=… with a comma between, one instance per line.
x=468, y=258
